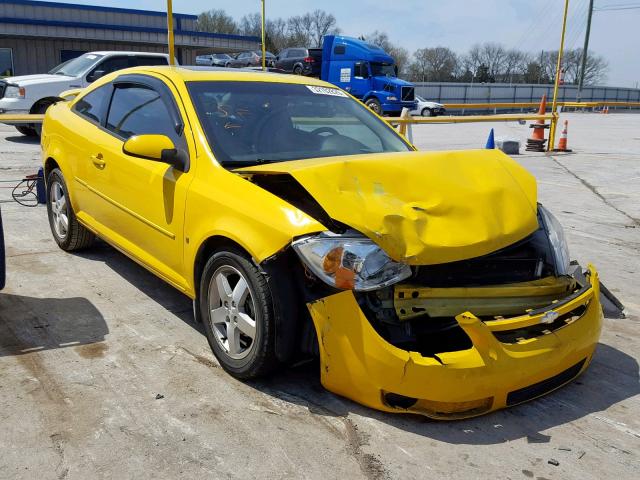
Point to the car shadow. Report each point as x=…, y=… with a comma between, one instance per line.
x=23, y=139
x=611, y=378
x=158, y=290
x=29, y=324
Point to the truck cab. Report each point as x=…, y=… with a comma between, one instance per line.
x=367, y=72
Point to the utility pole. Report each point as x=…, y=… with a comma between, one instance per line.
x=172, y=60
x=540, y=65
x=554, y=105
x=585, y=49
x=264, y=35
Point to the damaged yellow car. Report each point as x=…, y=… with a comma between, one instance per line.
x=302, y=224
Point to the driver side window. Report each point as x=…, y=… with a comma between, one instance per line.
x=139, y=110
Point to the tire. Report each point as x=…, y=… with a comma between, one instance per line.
x=297, y=70
x=73, y=236
x=427, y=112
x=247, y=356
x=37, y=127
x=28, y=131
x=374, y=105
x=2, y=257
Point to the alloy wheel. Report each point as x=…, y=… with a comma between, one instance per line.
x=59, y=209
x=232, y=312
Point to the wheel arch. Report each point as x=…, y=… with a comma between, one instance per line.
x=284, y=302
x=44, y=101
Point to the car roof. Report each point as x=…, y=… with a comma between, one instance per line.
x=200, y=73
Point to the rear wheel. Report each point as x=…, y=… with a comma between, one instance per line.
x=68, y=233
x=297, y=70
x=374, y=105
x=28, y=131
x=236, y=306
x=427, y=112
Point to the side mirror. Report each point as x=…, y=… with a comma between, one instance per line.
x=158, y=148
x=95, y=75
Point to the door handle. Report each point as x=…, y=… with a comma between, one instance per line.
x=98, y=160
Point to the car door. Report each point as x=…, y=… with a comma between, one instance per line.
x=142, y=201
x=87, y=136
x=281, y=59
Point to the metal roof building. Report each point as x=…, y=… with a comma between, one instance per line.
x=35, y=36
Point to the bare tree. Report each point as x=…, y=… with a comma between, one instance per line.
x=309, y=29
x=595, y=67
x=323, y=24
x=438, y=64
x=515, y=67
x=216, y=21
x=300, y=28
x=251, y=25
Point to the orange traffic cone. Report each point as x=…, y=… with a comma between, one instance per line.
x=536, y=142
x=562, y=143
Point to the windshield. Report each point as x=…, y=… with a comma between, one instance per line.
x=383, y=69
x=221, y=56
x=249, y=123
x=76, y=66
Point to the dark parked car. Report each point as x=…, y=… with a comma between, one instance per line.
x=252, y=59
x=300, y=61
x=214, y=60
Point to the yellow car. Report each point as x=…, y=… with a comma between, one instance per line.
x=301, y=223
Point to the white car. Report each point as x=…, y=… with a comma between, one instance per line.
x=34, y=93
x=428, y=109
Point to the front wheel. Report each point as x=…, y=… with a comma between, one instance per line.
x=68, y=233
x=236, y=306
x=41, y=109
x=427, y=112
x=374, y=104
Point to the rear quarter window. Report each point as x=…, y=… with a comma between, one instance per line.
x=93, y=105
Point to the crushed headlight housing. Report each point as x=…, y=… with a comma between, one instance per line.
x=349, y=261
x=555, y=232
x=13, y=91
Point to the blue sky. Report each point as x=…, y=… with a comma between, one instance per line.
x=531, y=25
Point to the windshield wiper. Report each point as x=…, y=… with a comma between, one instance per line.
x=250, y=163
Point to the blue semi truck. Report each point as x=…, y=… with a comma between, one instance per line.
x=366, y=71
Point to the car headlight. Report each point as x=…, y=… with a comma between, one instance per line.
x=557, y=239
x=349, y=261
x=13, y=91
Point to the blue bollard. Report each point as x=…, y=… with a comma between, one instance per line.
x=41, y=192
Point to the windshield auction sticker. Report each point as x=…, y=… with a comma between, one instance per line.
x=334, y=92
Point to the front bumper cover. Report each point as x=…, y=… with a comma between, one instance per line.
x=359, y=364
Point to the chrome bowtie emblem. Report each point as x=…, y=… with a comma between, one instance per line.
x=549, y=317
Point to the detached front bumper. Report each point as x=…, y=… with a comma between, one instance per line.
x=359, y=364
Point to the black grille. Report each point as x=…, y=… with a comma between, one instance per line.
x=3, y=86
x=408, y=94
x=545, y=386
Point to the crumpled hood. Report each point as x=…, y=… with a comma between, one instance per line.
x=423, y=207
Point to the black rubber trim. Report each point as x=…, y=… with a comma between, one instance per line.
x=545, y=386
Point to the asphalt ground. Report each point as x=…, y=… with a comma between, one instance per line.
x=104, y=374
